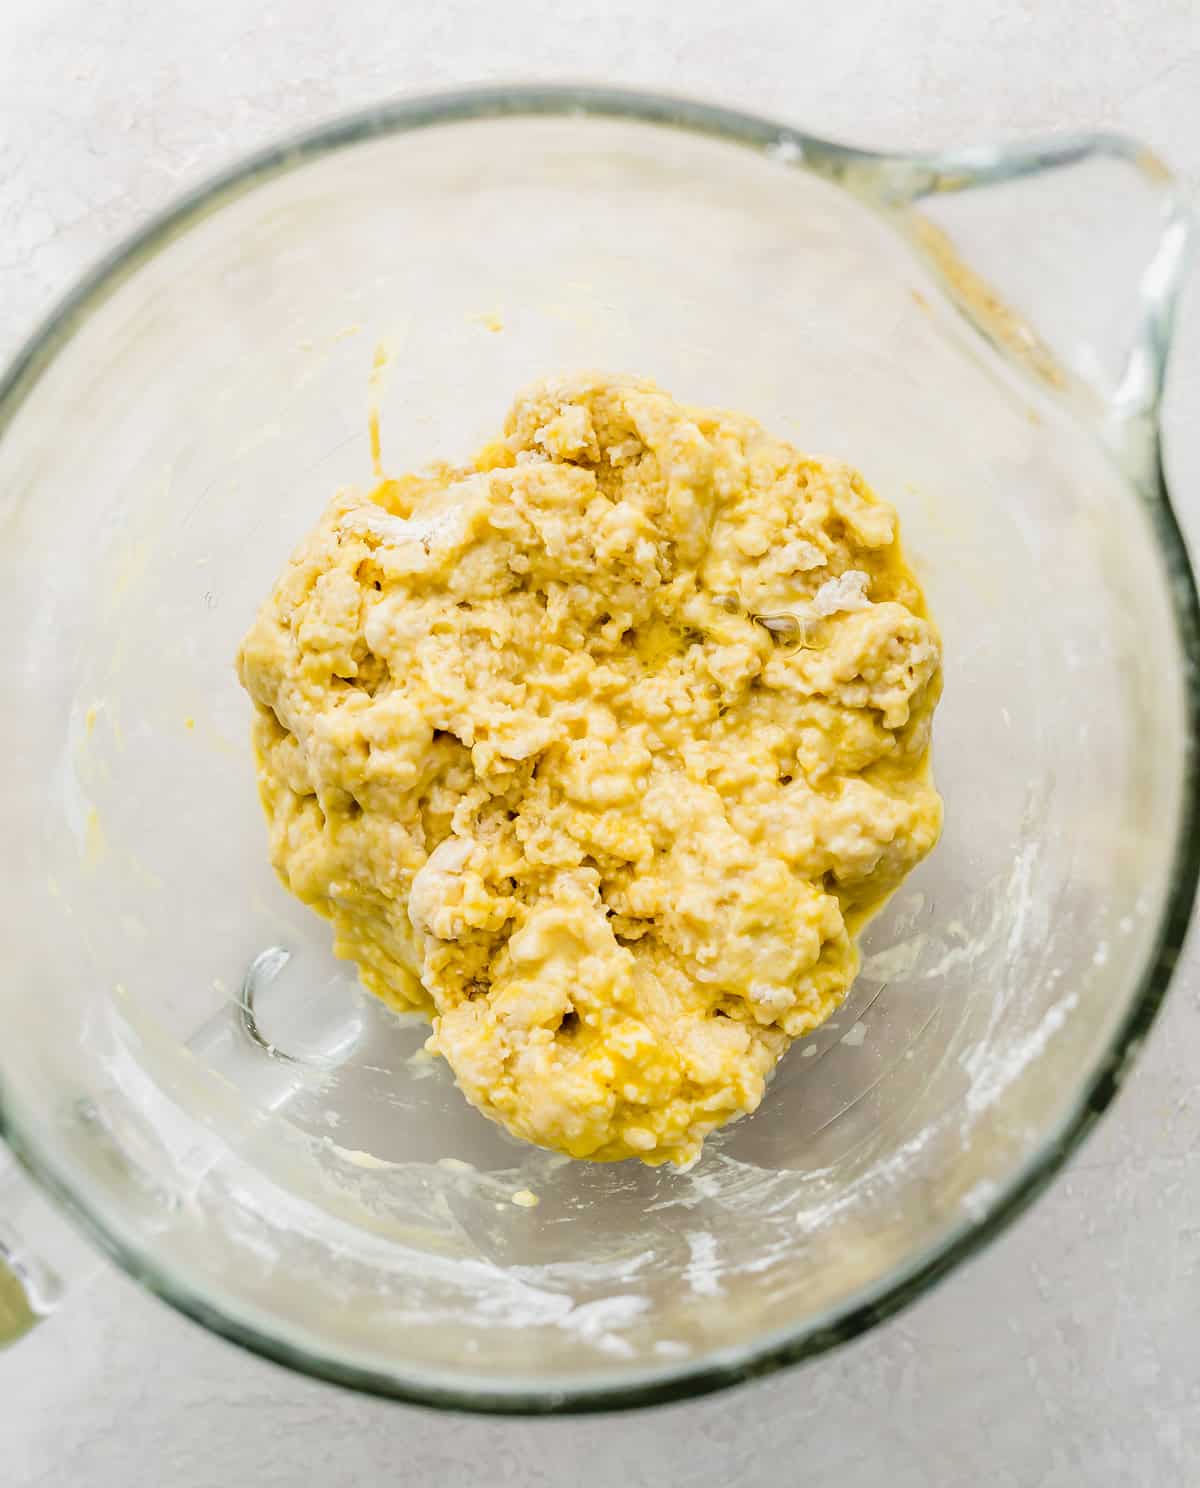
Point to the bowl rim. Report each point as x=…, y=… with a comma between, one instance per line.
x=875, y=1302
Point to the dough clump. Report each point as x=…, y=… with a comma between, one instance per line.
x=598, y=751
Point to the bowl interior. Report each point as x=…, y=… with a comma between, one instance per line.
x=302, y=1168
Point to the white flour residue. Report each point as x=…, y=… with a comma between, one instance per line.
x=785, y=151
x=703, y=1272
x=736, y=1187
x=615, y=1271
x=1003, y=910
x=599, y=1322
x=1020, y=898
x=979, y=1199
x=956, y=956
x=990, y=1076
x=896, y=961
x=671, y=1348
x=830, y=1194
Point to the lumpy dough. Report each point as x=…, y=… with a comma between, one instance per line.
x=598, y=751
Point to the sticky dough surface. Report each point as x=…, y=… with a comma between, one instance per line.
x=598, y=750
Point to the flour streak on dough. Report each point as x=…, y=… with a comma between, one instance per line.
x=521, y=738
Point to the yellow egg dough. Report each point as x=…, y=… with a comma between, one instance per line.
x=598, y=751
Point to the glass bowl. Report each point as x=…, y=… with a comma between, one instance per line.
x=187, y=1069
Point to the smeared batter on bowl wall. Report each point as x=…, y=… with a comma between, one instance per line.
x=599, y=750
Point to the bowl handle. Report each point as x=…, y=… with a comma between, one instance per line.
x=41, y=1254
x=1068, y=254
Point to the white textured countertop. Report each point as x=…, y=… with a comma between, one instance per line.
x=1067, y=1354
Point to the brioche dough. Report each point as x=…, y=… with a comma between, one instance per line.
x=598, y=750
